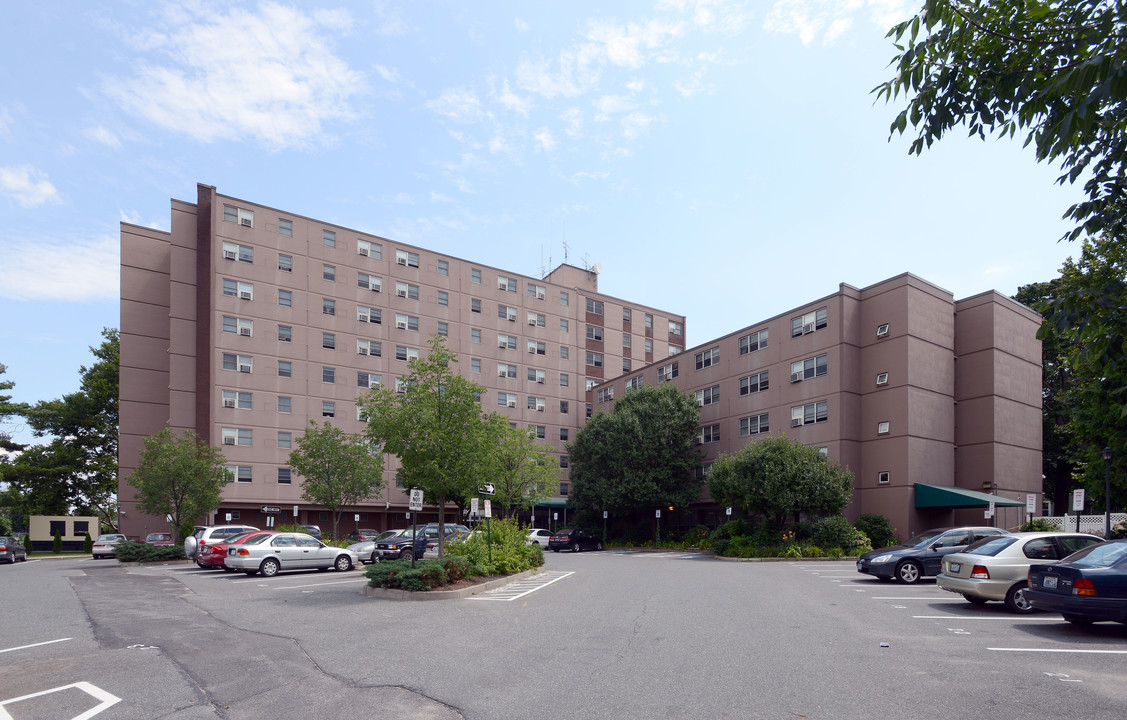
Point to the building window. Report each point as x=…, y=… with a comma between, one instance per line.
x=882, y=428
x=507, y=341
x=564, y=380
x=634, y=382
x=329, y=272
x=443, y=298
x=285, y=227
x=283, y=476
x=285, y=263
x=537, y=431
x=328, y=307
x=328, y=408
x=625, y=364
x=674, y=350
x=625, y=315
x=605, y=394
x=754, y=425
x=882, y=330
x=536, y=376
x=708, y=396
x=241, y=473
x=443, y=267
x=328, y=341
x=808, y=323
x=649, y=346
x=563, y=486
x=564, y=298
x=537, y=348
x=328, y=238
x=595, y=359
x=475, y=365
x=403, y=352
x=506, y=400
x=708, y=358
x=675, y=328
x=751, y=343
x=369, y=249
x=565, y=407
x=808, y=414
x=285, y=298
x=238, y=436
x=506, y=371
x=285, y=440
x=285, y=333
x=443, y=329
x=754, y=383
x=408, y=259
x=594, y=307
x=649, y=321
x=367, y=380
x=506, y=283
x=373, y=348
x=882, y=478
x=237, y=288
x=882, y=378
x=238, y=326
x=285, y=368
x=708, y=434
x=594, y=333
x=537, y=319
x=369, y=282
x=328, y=375
x=667, y=372
x=475, y=335
x=236, y=399
x=407, y=290
x=536, y=403
x=808, y=368
x=475, y=305
x=537, y=291
x=285, y=404
x=239, y=363
x=475, y=276
x=238, y=215
x=592, y=382
x=564, y=352
x=369, y=315
x=563, y=434
x=406, y=322
x=504, y=311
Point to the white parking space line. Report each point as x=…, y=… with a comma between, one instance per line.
x=38, y=644
x=105, y=699
x=517, y=590
x=1010, y=618
x=335, y=582
x=1061, y=650
x=918, y=597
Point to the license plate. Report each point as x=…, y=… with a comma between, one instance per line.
x=955, y=567
x=1049, y=582
x=859, y=564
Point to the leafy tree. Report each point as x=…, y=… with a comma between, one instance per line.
x=8, y=409
x=640, y=455
x=77, y=467
x=523, y=471
x=778, y=477
x=432, y=421
x=338, y=470
x=179, y=476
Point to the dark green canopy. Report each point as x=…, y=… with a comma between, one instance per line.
x=949, y=496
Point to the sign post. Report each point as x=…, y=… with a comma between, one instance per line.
x=604, y=527
x=1078, y=505
x=488, y=528
x=415, y=504
x=657, y=531
x=1030, y=504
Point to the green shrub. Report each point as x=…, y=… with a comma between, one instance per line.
x=1117, y=531
x=427, y=574
x=133, y=551
x=834, y=552
x=835, y=531
x=57, y=547
x=511, y=551
x=792, y=551
x=731, y=529
x=720, y=545
x=457, y=567
x=1043, y=525
x=27, y=543
x=812, y=551
x=877, y=528
x=87, y=544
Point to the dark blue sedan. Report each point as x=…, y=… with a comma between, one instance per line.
x=1086, y=587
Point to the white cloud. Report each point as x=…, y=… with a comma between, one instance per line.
x=544, y=139
x=829, y=19
x=388, y=74
x=625, y=45
x=574, y=119
x=102, y=135
x=390, y=20
x=134, y=218
x=339, y=20
x=54, y=270
x=267, y=75
x=498, y=145
x=460, y=105
x=611, y=104
x=403, y=198
x=521, y=25
x=28, y=186
x=439, y=197
x=574, y=178
x=635, y=124
x=511, y=101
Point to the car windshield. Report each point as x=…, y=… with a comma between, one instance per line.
x=253, y=539
x=106, y=538
x=990, y=546
x=1103, y=555
x=236, y=539
x=925, y=537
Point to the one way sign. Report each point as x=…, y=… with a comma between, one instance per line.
x=486, y=489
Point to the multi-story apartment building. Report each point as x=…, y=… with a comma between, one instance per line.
x=898, y=381
x=243, y=323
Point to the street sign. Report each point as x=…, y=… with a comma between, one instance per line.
x=488, y=509
x=728, y=511
x=486, y=489
x=604, y=514
x=473, y=507
x=228, y=517
x=1078, y=499
x=658, y=513
x=356, y=517
x=269, y=521
x=1030, y=503
x=270, y=509
x=416, y=501
x=295, y=510
x=990, y=510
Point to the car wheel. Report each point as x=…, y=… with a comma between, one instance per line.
x=909, y=572
x=1017, y=602
x=555, y=549
x=343, y=563
x=373, y=560
x=96, y=557
x=227, y=569
x=599, y=545
x=251, y=572
x=575, y=547
x=974, y=599
x=269, y=567
x=407, y=555
x=1078, y=620
x=200, y=565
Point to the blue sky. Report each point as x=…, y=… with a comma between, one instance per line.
x=497, y=131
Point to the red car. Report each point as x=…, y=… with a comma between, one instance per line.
x=212, y=554
x=159, y=539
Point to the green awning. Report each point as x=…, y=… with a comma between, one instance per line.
x=553, y=502
x=949, y=496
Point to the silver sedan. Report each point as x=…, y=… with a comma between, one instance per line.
x=270, y=554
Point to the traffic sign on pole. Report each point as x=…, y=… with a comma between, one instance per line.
x=416, y=501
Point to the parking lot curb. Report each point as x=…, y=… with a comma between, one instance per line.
x=851, y=558
x=396, y=594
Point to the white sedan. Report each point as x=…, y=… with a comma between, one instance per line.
x=539, y=536
x=270, y=554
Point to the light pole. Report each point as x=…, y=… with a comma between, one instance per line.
x=1106, y=455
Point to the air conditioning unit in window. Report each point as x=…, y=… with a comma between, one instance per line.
x=796, y=377
x=540, y=380
x=228, y=402
x=361, y=351
x=401, y=261
x=807, y=328
x=400, y=325
x=539, y=294
x=245, y=295
x=361, y=250
x=502, y=344
x=882, y=331
x=375, y=288
x=502, y=285
x=244, y=331
x=531, y=350
x=502, y=373
x=401, y=389
x=244, y=368
x=401, y=292
x=882, y=379
x=539, y=407
x=512, y=317
x=246, y=222
x=532, y=321
x=795, y=422
x=228, y=441
x=230, y=255
x=512, y=403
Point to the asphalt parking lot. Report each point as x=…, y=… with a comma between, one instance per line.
x=597, y=635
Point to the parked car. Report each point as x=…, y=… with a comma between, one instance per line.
x=575, y=540
x=362, y=534
x=539, y=536
x=432, y=541
x=922, y=554
x=272, y=553
x=105, y=545
x=312, y=530
x=205, y=534
x=1085, y=587
x=403, y=546
x=214, y=554
x=997, y=568
x=11, y=550
x=159, y=539
x=366, y=549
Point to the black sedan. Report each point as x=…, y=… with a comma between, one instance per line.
x=574, y=540
x=1086, y=587
x=920, y=555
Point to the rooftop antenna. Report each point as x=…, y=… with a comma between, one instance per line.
x=565, y=251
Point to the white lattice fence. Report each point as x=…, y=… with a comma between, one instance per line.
x=1088, y=523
